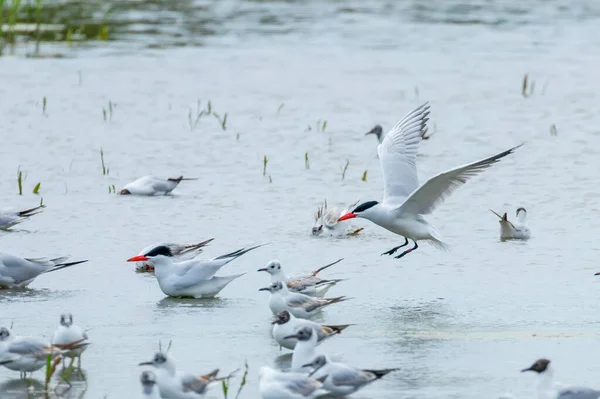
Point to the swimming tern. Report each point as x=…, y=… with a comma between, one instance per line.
x=274, y=384
x=341, y=379
x=149, y=388
x=8, y=219
x=191, y=278
x=404, y=201
x=304, y=351
x=27, y=354
x=308, y=284
x=174, y=384
x=17, y=272
x=548, y=389
x=514, y=231
x=286, y=324
x=300, y=305
x=327, y=224
x=179, y=251
x=378, y=132
x=69, y=335
x=152, y=185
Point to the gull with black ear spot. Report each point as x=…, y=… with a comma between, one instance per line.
x=306, y=284
x=191, y=278
x=548, y=389
x=70, y=338
x=286, y=325
x=405, y=202
x=514, y=231
x=378, y=132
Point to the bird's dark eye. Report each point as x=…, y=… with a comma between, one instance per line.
x=278, y=267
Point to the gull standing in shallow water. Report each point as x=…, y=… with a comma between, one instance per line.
x=274, y=384
x=340, y=379
x=404, y=201
x=174, y=384
x=308, y=285
x=17, y=272
x=514, y=231
x=152, y=185
x=68, y=335
x=305, y=350
x=548, y=389
x=191, y=278
x=9, y=219
x=286, y=324
x=179, y=251
x=300, y=305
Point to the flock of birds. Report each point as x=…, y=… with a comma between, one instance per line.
x=293, y=300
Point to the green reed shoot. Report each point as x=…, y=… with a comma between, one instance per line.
x=364, y=176
x=225, y=387
x=306, y=162
x=44, y=104
x=265, y=161
x=237, y=137
x=110, y=110
x=553, y=131
x=15, y=6
x=279, y=108
x=105, y=170
x=270, y=179
x=20, y=181
x=244, y=379
x=36, y=189
x=324, y=126
x=223, y=121
x=345, y=169
x=104, y=114
x=527, y=85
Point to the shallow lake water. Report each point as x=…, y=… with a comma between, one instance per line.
x=458, y=324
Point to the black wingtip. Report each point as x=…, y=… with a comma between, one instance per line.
x=240, y=252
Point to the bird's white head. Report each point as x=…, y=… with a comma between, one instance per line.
x=158, y=256
x=273, y=268
x=366, y=210
x=275, y=288
x=66, y=320
x=161, y=360
x=521, y=215
x=316, y=364
x=303, y=334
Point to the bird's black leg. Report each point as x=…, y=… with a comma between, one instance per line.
x=407, y=251
x=393, y=250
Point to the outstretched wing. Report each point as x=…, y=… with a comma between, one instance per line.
x=434, y=192
x=398, y=153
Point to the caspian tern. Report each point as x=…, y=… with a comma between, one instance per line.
x=274, y=384
x=16, y=272
x=404, y=201
x=300, y=305
x=514, y=231
x=378, y=132
x=180, y=252
x=310, y=285
x=149, y=388
x=152, y=185
x=8, y=218
x=174, y=384
x=69, y=335
x=341, y=379
x=191, y=278
x=548, y=389
x=286, y=324
x=327, y=224
x=305, y=349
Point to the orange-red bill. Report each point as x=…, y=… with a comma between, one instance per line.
x=347, y=216
x=138, y=258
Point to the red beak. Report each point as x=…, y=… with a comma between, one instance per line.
x=347, y=216
x=138, y=258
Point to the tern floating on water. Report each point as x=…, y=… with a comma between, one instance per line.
x=17, y=272
x=152, y=185
x=180, y=252
x=404, y=201
x=514, y=231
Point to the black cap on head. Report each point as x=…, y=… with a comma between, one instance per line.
x=364, y=206
x=160, y=250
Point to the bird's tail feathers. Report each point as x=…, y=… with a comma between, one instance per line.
x=380, y=373
x=339, y=328
x=436, y=240
x=239, y=252
x=314, y=273
x=180, y=178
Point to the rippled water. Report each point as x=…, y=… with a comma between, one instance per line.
x=459, y=324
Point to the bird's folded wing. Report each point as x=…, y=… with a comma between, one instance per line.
x=398, y=153
x=305, y=302
x=434, y=192
x=194, y=384
x=350, y=377
x=192, y=272
x=579, y=393
x=28, y=347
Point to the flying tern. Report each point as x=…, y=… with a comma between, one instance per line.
x=69, y=335
x=149, y=388
x=404, y=201
x=286, y=324
x=514, y=231
x=548, y=389
x=174, y=384
x=341, y=379
x=152, y=185
x=378, y=132
x=191, y=278
x=300, y=305
x=308, y=284
x=8, y=219
x=327, y=224
x=17, y=272
x=180, y=252
x=274, y=384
